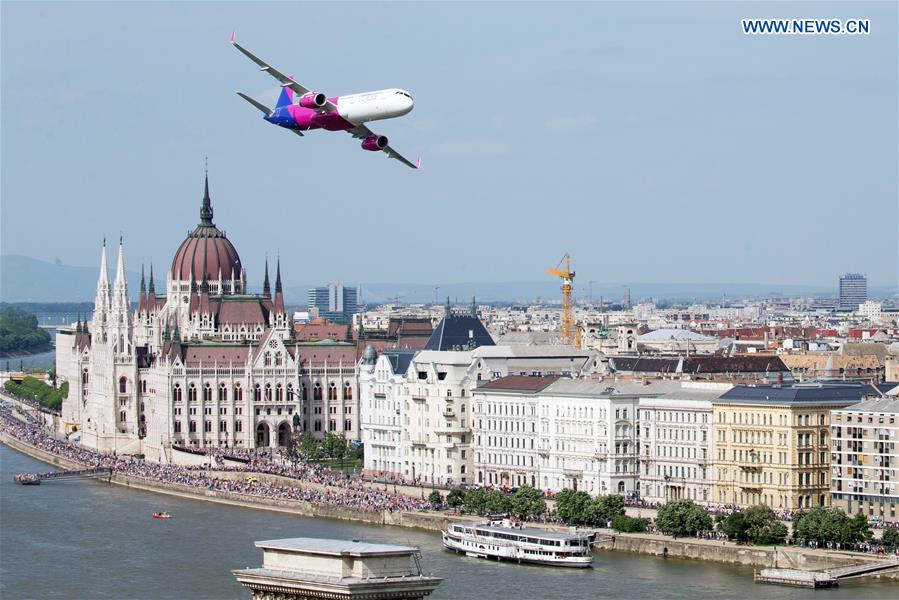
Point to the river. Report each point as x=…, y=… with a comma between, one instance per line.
x=87, y=539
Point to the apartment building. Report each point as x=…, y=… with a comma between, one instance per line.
x=675, y=439
x=771, y=444
x=381, y=384
x=864, y=458
x=557, y=433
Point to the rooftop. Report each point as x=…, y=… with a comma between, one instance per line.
x=799, y=393
x=880, y=405
x=334, y=547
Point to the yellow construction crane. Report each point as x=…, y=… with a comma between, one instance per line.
x=567, y=275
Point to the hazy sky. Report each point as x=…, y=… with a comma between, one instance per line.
x=654, y=141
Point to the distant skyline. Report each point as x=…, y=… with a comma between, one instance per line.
x=653, y=141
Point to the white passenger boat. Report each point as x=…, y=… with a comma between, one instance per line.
x=503, y=539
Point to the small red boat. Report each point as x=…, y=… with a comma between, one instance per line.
x=162, y=515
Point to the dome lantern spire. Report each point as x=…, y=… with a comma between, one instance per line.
x=206, y=208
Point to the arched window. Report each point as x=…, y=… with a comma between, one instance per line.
x=347, y=391
x=123, y=385
x=279, y=393
x=332, y=391
x=207, y=393
x=279, y=360
x=304, y=393
x=268, y=392
x=191, y=393
x=317, y=391
x=290, y=392
x=257, y=393
x=238, y=392
x=223, y=393
x=176, y=393
x=268, y=359
x=84, y=376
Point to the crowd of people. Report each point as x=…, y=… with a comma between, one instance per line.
x=348, y=492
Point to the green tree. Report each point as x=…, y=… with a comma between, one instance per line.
x=309, y=446
x=856, y=530
x=335, y=446
x=455, y=498
x=603, y=509
x=682, y=517
x=476, y=501
x=572, y=506
x=734, y=526
x=527, y=501
x=825, y=525
x=626, y=524
x=495, y=502
x=890, y=539
x=435, y=499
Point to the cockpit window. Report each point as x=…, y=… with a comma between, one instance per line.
x=404, y=94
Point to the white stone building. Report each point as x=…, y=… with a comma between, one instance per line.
x=675, y=436
x=381, y=384
x=557, y=433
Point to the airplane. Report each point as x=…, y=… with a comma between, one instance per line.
x=314, y=110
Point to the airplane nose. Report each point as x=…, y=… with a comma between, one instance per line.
x=410, y=104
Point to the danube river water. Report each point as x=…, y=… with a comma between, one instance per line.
x=87, y=539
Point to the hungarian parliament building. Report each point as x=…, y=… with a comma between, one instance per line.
x=204, y=363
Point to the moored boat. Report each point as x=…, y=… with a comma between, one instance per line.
x=162, y=515
x=504, y=539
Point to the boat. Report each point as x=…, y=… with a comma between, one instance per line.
x=506, y=539
x=162, y=515
x=28, y=479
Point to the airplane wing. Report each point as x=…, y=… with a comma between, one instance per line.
x=361, y=132
x=283, y=79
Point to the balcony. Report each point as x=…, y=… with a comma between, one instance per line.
x=750, y=466
x=419, y=398
x=449, y=413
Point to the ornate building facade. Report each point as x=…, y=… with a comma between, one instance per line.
x=204, y=364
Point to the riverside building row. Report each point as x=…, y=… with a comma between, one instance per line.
x=660, y=440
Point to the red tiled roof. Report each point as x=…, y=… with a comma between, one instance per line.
x=520, y=383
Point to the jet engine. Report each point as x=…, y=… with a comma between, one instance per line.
x=375, y=142
x=313, y=100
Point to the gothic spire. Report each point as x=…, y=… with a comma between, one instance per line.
x=266, y=288
x=206, y=208
x=143, y=286
x=474, y=307
x=278, y=277
x=152, y=289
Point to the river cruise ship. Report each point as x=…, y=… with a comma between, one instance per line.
x=503, y=539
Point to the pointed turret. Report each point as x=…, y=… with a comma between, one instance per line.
x=100, y=318
x=279, y=294
x=142, y=298
x=474, y=307
x=266, y=288
x=151, y=293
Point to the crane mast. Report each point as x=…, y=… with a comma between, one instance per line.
x=567, y=276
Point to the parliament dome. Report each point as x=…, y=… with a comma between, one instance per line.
x=206, y=252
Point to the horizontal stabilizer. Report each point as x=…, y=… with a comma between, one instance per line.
x=258, y=105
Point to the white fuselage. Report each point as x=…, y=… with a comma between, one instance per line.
x=374, y=106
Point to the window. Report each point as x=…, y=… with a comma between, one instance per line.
x=177, y=426
x=191, y=393
x=347, y=425
x=257, y=393
x=317, y=392
x=207, y=393
x=238, y=393
x=223, y=426
x=268, y=392
x=238, y=426
x=347, y=391
x=192, y=427
x=122, y=416
x=332, y=391
x=123, y=385
x=223, y=393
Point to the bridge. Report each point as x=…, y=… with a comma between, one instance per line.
x=37, y=478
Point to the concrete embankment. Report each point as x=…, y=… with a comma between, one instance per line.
x=706, y=550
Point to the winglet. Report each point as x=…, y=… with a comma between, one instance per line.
x=418, y=163
x=232, y=36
